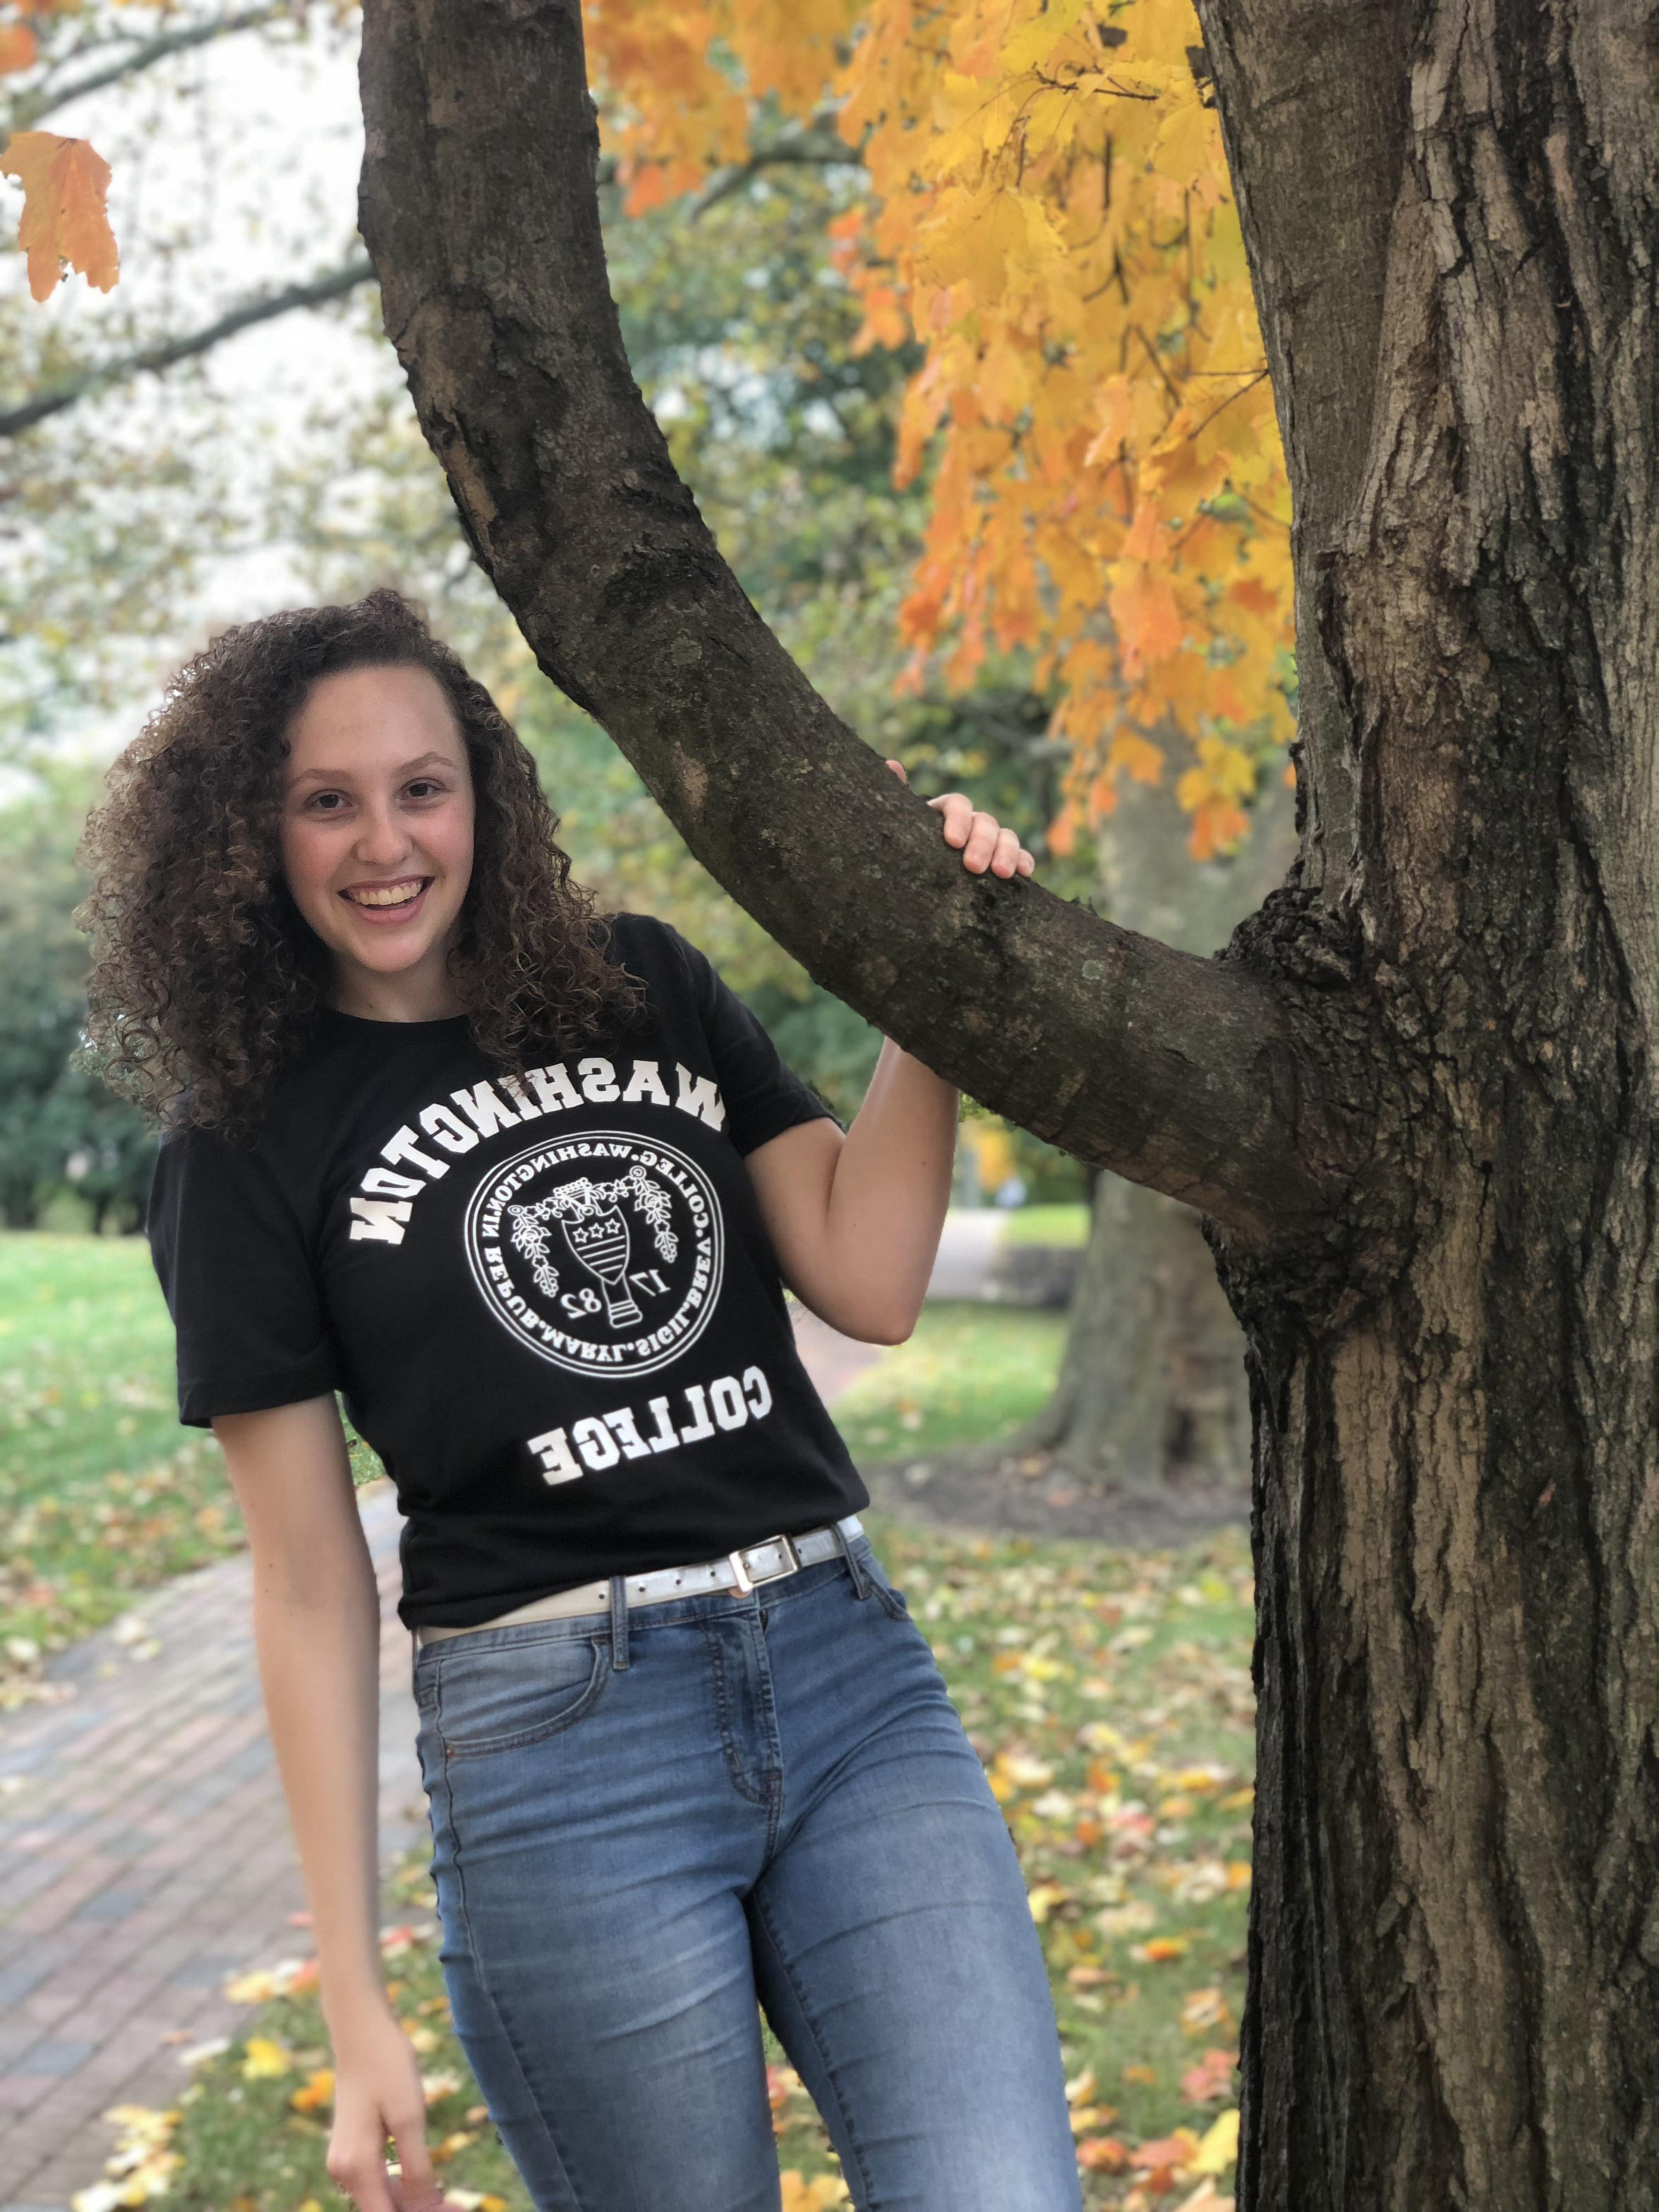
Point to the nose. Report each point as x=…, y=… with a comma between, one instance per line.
x=382, y=840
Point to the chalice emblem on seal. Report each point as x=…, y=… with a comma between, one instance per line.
x=602, y=1251
x=601, y=1247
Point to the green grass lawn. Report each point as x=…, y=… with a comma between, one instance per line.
x=1066, y=1225
x=101, y=1492
x=969, y=1374
x=1108, y=1695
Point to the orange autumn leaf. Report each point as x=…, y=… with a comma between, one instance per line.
x=1102, y=2155
x=65, y=181
x=1212, y=2077
x=18, y=48
x=1162, y=1950
x=1169, y=2155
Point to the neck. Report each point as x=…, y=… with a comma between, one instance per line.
x=418, y=995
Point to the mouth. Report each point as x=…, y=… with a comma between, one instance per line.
x=392, y=902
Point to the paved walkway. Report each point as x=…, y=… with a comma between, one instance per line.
x=145, y=1854
x=966, y=1247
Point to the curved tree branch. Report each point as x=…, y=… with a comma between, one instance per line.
x=52, y=401
x=479, y=208
x=23, y=112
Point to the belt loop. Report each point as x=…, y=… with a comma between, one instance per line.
x=861, y=1582
x=619, y=1622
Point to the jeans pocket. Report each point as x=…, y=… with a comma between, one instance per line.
x=511, y=1695
x=893, y=1602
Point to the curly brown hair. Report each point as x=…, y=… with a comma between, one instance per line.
x=206, y=980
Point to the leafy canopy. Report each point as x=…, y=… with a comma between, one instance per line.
x=1051, y=223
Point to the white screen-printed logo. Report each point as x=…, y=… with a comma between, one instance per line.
x=602, y=1252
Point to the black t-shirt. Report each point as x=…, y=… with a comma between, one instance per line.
x=548, y=1301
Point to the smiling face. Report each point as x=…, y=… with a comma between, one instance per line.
x=377, y=837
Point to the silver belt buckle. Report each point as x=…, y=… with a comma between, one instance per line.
x=746, y=1582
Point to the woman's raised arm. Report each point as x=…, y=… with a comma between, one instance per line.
x=316, y=1630
x=855, y=1220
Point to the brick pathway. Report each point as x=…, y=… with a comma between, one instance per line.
x=145, y=1853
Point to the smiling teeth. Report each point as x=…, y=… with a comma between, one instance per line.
x=388, y=895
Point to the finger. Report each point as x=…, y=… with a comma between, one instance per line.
x=1027, y=861
x=898, y=768
x=982, y=844
x=364, y=2181
x=1005, y=856
x=957, y=809
x=414, y=2186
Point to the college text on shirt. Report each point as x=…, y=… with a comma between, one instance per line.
x=384, y=1199
x=603, y=1440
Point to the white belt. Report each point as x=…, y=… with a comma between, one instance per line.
x=766, y=1562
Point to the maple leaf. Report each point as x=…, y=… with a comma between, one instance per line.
x=1210, y=2078
x=65, y=181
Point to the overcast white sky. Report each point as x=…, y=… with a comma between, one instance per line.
x=213, y=198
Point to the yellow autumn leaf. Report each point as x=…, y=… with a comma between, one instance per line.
x=799, y=2195
x=266, y=2060
x=1218, y=2149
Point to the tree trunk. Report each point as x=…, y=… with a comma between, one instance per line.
x=1417, y=1097
x=1152, y=1386
x=1455, y=1940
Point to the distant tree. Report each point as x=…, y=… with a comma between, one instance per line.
x=59, y=1128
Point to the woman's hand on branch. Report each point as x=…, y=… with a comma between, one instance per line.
x=985, y=845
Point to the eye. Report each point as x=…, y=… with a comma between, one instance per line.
x=422, y=787
x=325, y=802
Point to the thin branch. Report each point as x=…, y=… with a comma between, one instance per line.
x=819, y=153
x=57, y=397
x=28, y=107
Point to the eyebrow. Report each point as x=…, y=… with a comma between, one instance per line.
x=343, y=775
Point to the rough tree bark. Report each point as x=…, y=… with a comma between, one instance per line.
x=1153, y=1385
x=1416, y=1099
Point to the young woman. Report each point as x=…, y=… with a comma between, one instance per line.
x=524, y=1188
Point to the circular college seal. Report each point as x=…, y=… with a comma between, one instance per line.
x=602, y=1252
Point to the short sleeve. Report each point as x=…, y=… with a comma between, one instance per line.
x=763, y=1097
x=232, y=1259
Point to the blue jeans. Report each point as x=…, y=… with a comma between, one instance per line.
x=771, y=1803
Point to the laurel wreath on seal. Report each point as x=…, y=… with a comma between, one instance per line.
x=580, y=1200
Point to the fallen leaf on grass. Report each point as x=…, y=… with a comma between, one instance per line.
x=1171, y=2154
x=317, y=2092
x=1102, y=2154
x=817, y=2196
x=1210, y=2078
x=1220, y=2147
x=1203, y=2010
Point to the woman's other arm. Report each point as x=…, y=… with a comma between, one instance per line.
x=316, y=1631
x=855, y=1220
